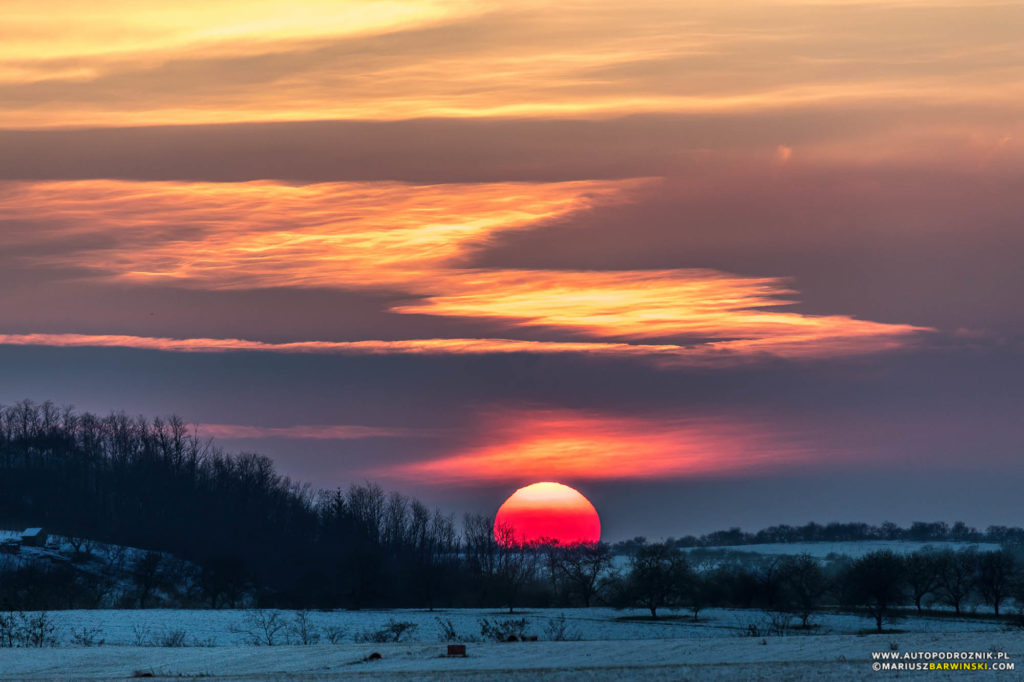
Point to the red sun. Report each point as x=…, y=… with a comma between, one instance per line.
x=547, y=511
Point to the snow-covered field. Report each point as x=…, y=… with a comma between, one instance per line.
x=225, y=628
x=852, y=549
x=611, y=646
x=826, y=658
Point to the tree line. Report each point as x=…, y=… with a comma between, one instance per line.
x=882, y=584
x=918, y=531
x=225, y=530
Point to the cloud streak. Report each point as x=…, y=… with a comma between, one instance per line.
x=417, y=241
x=400, y=60
x=307, y=432
x=262, y=234
x=645, y=304
x=669, y=355
x=526, y=446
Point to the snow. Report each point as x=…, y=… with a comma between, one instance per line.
x=614, y=644
x=223, y=627
x=830, y=657
x=852, y=549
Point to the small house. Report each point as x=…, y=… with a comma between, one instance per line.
x=10, y=547
x=33, y=537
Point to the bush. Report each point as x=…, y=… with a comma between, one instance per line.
x=143, y=635
x=263, y=628
x=29, y=630
x=450, y=634
x=302, y=630
x=168, y=637
x=558, y=630
x=393, y=631
x=503, y=630
x=86, y=636
x=172, y=638
x=774, y=624
x=335, y=634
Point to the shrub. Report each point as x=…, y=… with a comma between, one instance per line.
x=86, y=636
x=450, y=634
x=30, y=630
x=172, y=638
x=143, y=636
x=503, y=630
x=558, y=630
x=393, y=631
x=302, y=630
x=335, y=634
x=262, y=627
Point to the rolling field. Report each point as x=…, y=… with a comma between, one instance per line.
x=610, y=645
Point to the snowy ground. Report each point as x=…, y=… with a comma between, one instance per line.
x=610, y=648
x=851, y=549
x=229, y=627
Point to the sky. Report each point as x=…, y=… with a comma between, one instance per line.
x=712, y=264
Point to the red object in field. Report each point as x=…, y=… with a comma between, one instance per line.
x=456, y=649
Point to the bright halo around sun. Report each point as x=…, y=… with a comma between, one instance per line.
x=547, y=512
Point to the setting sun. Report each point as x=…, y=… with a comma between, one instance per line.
x=547, y=511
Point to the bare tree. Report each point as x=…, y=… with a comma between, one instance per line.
x=516, y=564
x=876, y=581
x=997, y=572
x=582, y=566
x=147, y=575
x=956, y=576
x=82, y=548
x=221, y=580
x=435, y=548
x=803, y=585
x=922, y=571
x=262, y=627
x=656, y=577
x=481, y=550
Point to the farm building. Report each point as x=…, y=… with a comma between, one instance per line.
x=33, y=537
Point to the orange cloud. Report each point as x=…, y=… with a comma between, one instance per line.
x=703, y=304
x=144, y=62
x=265, y=234
x=403, y=347
x=667, y=354
x=412, y=239
x=567, y=446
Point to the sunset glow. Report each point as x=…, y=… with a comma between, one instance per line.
x=547, y=512
x=242, y=235
x=193, y=62
x=573, y=445
x=695, y=252
x=413, y=239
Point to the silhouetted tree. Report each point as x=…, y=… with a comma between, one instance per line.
x=803, y=585
x=876, y=581
x=582, y=566
x=148, y=576
x=997, y=572
x=222, y=581
x=955, y=577
x=922, y=571
x=656, y=576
